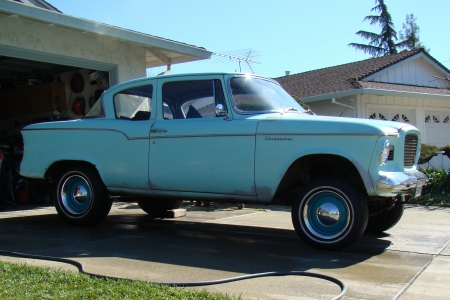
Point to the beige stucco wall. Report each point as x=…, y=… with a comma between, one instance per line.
x=40, y=37
x=327, y=108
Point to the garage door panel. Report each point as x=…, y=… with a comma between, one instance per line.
x=437, y=128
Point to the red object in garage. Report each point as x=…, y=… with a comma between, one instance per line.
x=23, y=195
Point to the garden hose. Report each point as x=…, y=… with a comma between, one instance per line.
x=80, y=268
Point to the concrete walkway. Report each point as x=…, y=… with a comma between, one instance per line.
x=410, y=261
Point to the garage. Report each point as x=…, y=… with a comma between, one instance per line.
x=36, y=91
x=54, y=66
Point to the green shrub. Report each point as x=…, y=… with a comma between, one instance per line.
x=439, y=181
x=427, y=152
x=437, y=191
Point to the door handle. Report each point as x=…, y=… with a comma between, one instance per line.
x=157, y=130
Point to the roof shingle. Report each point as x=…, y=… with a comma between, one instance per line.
x=348, y=77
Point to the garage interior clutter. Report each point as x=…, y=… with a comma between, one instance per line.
x=34, y=92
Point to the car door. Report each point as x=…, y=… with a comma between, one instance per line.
x=123, y=159
x=192, y=149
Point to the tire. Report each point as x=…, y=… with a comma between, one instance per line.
x=385, y=220
x=343, y=221
x=157, y=208
x=81, y=197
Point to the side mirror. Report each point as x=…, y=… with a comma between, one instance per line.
x=220, y=112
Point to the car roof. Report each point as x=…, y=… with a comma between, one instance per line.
x=187, y=75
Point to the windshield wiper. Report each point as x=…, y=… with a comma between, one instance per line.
x=289, y=109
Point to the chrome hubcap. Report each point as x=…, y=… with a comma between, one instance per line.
x=328, y=214
x=80, y=193
x=76, y=194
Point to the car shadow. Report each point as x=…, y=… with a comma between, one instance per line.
x=233, y=248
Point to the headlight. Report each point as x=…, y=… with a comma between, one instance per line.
x=384, y=153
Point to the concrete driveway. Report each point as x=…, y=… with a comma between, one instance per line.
x=411, y=261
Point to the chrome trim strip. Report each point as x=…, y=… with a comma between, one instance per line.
x=323, y=134
x=207, y=135
x=90, y=129
x=256, y=135
x=200, y=136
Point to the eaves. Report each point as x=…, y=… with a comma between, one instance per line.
x=83, y=25
x=378, y=92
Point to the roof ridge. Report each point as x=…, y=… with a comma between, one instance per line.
x=408, y=54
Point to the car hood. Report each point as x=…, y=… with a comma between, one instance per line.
x=294, y=123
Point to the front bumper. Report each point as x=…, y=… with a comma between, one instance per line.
x=398, y=183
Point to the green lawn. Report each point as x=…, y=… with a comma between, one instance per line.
x=26, y=282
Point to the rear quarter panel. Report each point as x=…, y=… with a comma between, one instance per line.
x=120, y=155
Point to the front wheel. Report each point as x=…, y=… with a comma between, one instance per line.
x=328, y=214
x=80, y=196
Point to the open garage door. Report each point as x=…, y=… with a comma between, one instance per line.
x=33, y=91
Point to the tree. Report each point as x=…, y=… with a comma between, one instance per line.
x=379, y=44
x=409, y=35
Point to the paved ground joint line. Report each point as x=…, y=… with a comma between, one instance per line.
x=410, y=283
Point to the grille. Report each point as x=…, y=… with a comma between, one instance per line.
x=410, y=150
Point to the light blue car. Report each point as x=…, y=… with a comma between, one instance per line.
x=227, y=138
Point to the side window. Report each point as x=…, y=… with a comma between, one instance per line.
x=192, y=99
x=134, y=103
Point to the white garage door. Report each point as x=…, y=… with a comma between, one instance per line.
x=391, y=115
x=437, y=128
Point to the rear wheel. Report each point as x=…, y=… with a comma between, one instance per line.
x=80, y=196
x=157, y=208
x=386, y=219
x=328, y=214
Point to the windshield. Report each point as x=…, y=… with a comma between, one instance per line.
x=251, y=95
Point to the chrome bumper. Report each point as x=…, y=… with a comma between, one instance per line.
x=397, y=183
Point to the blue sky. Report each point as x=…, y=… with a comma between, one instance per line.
x=293, y=35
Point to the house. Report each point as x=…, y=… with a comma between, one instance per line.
x=54, y=65
x=409, y=87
